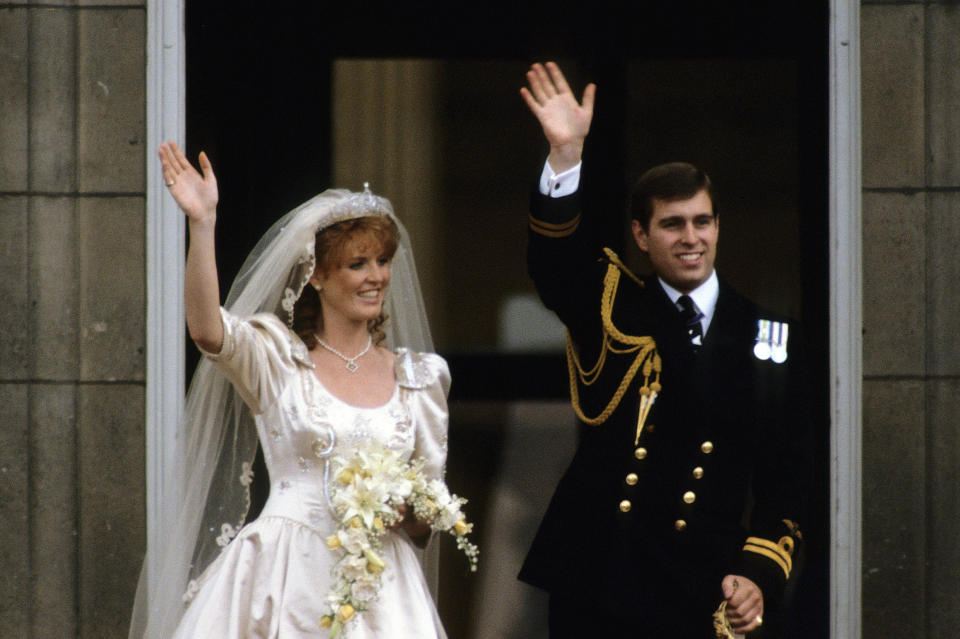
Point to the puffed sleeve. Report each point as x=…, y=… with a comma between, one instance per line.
x=425, y=377
x=258, y=356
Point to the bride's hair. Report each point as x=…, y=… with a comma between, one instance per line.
x=331, y=245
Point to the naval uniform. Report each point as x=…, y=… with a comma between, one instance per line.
x=647, y=521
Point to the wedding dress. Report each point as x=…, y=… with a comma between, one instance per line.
x=272, y=577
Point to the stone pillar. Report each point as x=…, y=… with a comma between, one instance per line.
x=911, y=178
x=71, y=352
x=942, y=71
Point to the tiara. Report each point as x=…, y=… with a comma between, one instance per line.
x=361, y=204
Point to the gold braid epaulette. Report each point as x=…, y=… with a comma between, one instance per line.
x=643, y=345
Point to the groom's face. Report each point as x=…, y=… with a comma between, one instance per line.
x=681, y=240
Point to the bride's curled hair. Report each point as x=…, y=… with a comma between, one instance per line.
x=332, y=245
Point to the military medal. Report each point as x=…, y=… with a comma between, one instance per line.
x=771, y=341
x=779, y=350
x=762, y=348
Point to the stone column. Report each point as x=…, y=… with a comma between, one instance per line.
x=911, y=171
x=71, y=352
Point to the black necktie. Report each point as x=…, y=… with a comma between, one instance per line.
x=691, y=320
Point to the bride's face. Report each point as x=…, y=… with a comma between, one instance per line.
x=354, y=288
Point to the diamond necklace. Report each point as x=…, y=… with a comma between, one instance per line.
x=352, y=365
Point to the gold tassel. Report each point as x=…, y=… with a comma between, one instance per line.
x=721, y=625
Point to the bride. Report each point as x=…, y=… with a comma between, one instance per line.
x=297, y=361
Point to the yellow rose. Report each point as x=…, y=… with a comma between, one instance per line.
x=377, y=523
x=356, y=521
x=325, y=621
x=345, y=613
x=333, y=542
x=374, y=563
x=462, y=527
x=345, y=476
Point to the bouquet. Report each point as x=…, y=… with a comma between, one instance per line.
x=368, y=489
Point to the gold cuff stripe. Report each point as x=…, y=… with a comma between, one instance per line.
x=770, y=555
x=771, y=551
x=554, y=230
x=777, y=548
x=555, y=227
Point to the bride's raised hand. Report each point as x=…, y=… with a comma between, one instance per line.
x=196, y=194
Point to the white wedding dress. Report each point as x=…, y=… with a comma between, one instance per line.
x=272, y=578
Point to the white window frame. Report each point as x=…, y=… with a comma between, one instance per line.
x=846, y=342
x=165, y=244
x=166, y=78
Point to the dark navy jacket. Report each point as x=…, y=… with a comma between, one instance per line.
x=715, y=485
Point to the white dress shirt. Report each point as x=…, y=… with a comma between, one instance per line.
x=704, y=297
x=559, y=184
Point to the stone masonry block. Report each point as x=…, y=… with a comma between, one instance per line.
x=14, y=311
x=14, y=92
x=53, y=509
x=943, y=94
x=54, y=304
x=943, y=399
x=894, y=511
x=112, y=508
x=112, y=299
x=891, y=53
x=109, y=3
x=112, y=90
x=52, y=100
x=894, y=249
x=943, y=273
x=14, y=504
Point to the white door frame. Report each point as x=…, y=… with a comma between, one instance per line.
x=166, y=79
x=846, y=343
x=165, y=243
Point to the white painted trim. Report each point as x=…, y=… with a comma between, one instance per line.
x=846, y=345
x=166, y=106
x=165, y=330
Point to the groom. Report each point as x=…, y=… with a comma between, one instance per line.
x=687, y=488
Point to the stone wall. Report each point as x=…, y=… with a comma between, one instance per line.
x=72, y=110
x=911, y=229
x=72, y=157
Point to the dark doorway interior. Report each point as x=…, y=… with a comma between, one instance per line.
x=259, y=103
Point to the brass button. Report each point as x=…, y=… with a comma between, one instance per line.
x=707, y=447
x=625, y=506
x=689, y=497
x=697, y=472
x=632, y=479
x=680, y=524
x=640, y=453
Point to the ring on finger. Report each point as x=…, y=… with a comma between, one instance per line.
x=759, y=620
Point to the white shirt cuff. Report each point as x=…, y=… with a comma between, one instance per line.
x=559, y=184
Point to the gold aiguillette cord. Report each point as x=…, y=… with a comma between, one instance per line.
x=648, y=392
